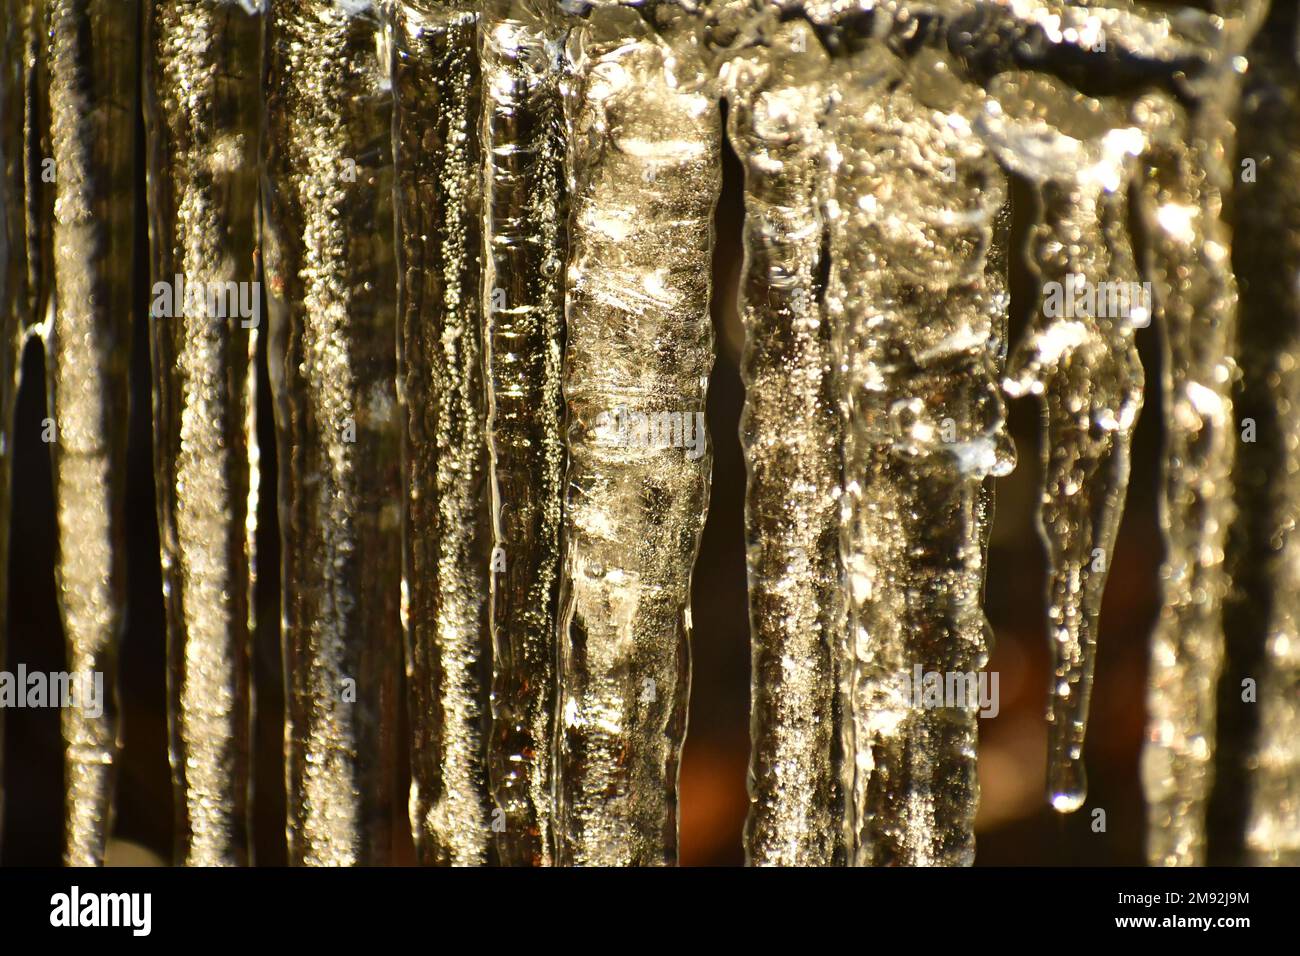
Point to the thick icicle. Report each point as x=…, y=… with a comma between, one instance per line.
x=1266, y=540
x=436, y=99
x=644, y=175
x=1080, y=359
x=92, y=107
x=523, y=305
x=331, y=287
x=791, y=431
x=1186, y=176
x=203, y=68
x=917, y=295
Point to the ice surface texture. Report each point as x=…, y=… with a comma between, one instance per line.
x=331, y=290
x=483, y=233
x=202, y=73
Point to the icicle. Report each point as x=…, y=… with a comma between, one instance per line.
x=26, y=218
x=791, y=432
x=1273, y=825
x=14, y=303
x=93, y=82
x=1079, y=357
x=644, y=175
x=201, y=115
x=1189, y=263
x=917, y=296
x=523, y=304
x=437, y=98
x=331, y=285
x=37, y=161
x=1266, y=544
x=13, y=278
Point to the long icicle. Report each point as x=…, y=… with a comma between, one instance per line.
x=1189, y=265
x=1081, y=360
x=436, y=100
x=1264, y=609
x=644, y=175
x=1185, y=178
x=93, y=85
x=523, y=306
x=13, y=278
x=28, y=217
x=203, y=68
x=918, y=298
x=331, y=288
x=791, y=432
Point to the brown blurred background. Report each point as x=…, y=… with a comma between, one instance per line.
x=1015, y=825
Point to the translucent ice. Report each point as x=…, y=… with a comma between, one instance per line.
x=203, y=65
x=644, y=173
x=93, y=79
x=791, y=432
x=917, y=296
x=331, y=290
x=523, y=303
x=437, y=96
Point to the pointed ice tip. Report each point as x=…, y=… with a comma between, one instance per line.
x=1067, y=802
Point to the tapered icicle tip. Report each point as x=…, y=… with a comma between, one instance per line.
x=1067, y=778
x=1067, y=786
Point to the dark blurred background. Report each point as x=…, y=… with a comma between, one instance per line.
x=1015, y=825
